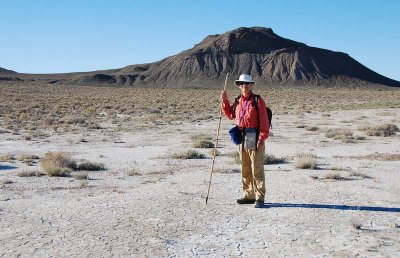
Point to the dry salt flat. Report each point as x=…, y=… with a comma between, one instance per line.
x=160, y=211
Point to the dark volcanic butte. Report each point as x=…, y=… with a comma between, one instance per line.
x=269, y=58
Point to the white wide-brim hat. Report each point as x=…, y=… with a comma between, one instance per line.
x=244, y=78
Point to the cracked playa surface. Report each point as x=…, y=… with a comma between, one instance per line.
x=162, y=212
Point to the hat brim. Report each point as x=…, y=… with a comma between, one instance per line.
x=237, y=82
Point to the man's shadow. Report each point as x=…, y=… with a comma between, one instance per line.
x=330, y=206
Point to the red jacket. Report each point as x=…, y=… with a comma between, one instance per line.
x=251, y=116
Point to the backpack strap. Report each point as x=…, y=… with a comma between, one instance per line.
x=256, y=101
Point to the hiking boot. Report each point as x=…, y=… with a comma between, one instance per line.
x=259, y=204
x=245, y=201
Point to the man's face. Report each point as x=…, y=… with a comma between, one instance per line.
x=246, y=87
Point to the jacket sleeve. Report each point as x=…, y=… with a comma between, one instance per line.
x=229, y=110
x=264, y=122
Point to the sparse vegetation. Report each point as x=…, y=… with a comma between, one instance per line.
x=91, y=166
x=339, y=177
x=312, y=128
x=203, y=144
x=30, y=174
x=7, y=158
x=201, y=137
x=83, y=184
x=190, y=154
x=337, y=167
x=270, y=159
x=6, y=182
x=360, y=175
x=28, y=159
x=375, y=156
x=385, y=130
x=336, y=176
x=58, y=164
x=306, y=161
x=344, y=135
x=33, y=108
x=81, y=176
x=133, y=172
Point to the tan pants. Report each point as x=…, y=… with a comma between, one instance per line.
x=253, y=177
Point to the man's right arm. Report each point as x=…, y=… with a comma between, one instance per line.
x=227, y=109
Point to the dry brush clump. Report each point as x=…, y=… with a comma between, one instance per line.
x=30, y=160
x=384, y=130
x=7, y=158
x=91, y=166
x=345, y=135
x=375, y=156
x=189, y=154
x=58, y=164
x=6, y=182
x=306, y=161
x=30, y=174
x=270, y=159
x=62, y=164
x=339, y=177
x=203, y=144
x=133, y=172
x=202, y=140
x=81, y=176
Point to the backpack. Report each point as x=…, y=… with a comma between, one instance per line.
x=269, y=111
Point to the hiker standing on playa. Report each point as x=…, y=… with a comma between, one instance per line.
x=252, y=121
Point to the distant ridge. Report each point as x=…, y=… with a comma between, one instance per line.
x=269, y=58
x=6, y=72
x=8, y=75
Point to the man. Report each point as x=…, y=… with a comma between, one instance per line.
x=250, y=118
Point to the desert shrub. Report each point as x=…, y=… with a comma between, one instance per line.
x=344, y=135
x=335, y=176
x=361, y=175
x=81, y=176
x=203, y=144
x=306, y=163
x=133, y=172
x=312, y=128
x=7, y=158
x=337, y=168
x=84, y=184
x=331, y=176
x=6, y=182
x=28, y=159
x=201, y=137
x=30, y=174
x=382, y=130
x=271, y=159
x=306, y=155
x=58, y=164
x=91, y=166
x=190, y=154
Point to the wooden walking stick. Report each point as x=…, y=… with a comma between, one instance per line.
x=216, y=142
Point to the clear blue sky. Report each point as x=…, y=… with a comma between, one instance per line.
x=48, y=36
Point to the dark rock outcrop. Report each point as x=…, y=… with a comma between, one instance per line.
x=270, y=58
